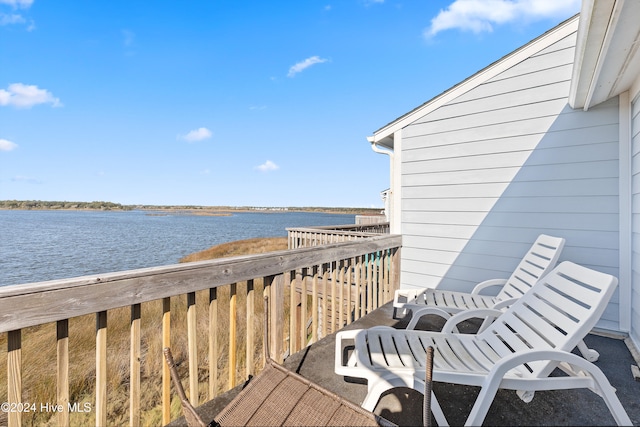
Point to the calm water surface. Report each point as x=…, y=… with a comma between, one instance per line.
x=45, y=245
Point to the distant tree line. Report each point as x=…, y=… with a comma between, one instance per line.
x=38, y=204
x=110, y=206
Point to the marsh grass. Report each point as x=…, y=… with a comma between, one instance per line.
x=39, y=350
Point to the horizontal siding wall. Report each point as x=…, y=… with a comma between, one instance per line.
x=635, y=189
x=484, y=174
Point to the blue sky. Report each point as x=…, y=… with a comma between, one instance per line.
x=231, y=102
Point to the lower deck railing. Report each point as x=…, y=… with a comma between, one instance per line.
x=304, y=237
x=88, y=350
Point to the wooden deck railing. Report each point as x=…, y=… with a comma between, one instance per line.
x=304, y=237
x=313, y=292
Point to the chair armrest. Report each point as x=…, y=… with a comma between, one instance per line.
x=504, y=303
x=425, y=311
x=583, y=374
x=342, y=338
x=570, y=363
x=488, y=314
x=402, y=296
x=487, y=284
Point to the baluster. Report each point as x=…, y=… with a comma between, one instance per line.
x=380, y=273
x=356, y=280
x=325, y=300
x=232, y=335
x=292, y=312
x=349, y=288
x=192, y=343
x=341, y=296
x=314, y=304
x=14, y=375
x=166, y=378
x=250, y=328
x=101, y=369
x=276, y=311
x=334, y=291
x=62, y=371
x=370, y=293
x=134, y=367
x=301, y=277
x=213, y=342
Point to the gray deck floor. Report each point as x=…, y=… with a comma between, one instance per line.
x=404, y=406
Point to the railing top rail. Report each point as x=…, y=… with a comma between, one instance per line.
x=339, y=227
x=336, y=232
x=43, y=302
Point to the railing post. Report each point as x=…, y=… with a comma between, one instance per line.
x=395, y=269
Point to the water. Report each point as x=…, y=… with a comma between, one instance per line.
x=45, y=245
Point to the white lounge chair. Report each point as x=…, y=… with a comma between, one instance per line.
x=538, y=261
x=518, y=351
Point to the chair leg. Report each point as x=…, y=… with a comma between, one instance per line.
x=377, y=387
x=588, y=353
x=190, y=414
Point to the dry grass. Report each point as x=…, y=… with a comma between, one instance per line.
x=240, y=247
x=39, y=350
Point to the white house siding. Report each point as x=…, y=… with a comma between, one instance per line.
x=635, y=189
x=487, y=172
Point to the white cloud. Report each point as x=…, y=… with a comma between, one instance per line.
x=15, y=18
x=11, y=19
x=481, y=15
x=6, y=145
x=303, y=65
x=27, y=179
x=26, y=96
x=24, y=4
x=129, y=37
x=268, y=166
x=195, y=135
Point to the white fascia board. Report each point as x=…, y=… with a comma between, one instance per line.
x=635, y=89
x=558, y=33
x=586, y=56
x=607, y=60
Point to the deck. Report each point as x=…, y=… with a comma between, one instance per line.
x=564, y=407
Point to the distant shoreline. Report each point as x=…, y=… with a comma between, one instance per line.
x=177, y=209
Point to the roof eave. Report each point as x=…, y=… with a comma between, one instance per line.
x=384, y=135
x=607, y=60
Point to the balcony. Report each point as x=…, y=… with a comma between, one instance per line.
x=209, y=312
x=404, y=406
